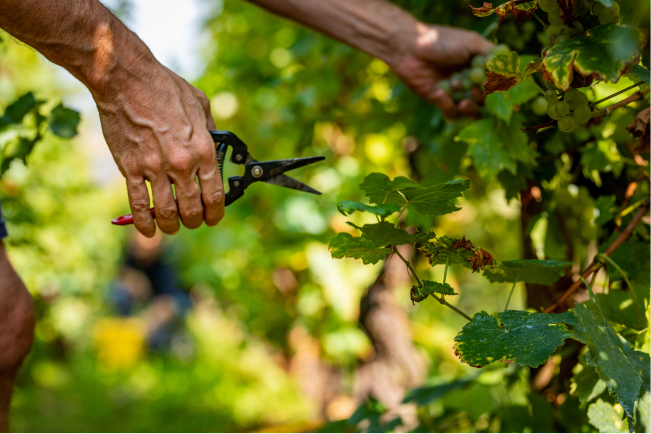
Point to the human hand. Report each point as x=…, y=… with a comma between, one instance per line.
x=157, y=127
x=433, y=55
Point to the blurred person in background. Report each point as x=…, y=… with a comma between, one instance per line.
x=148, y=286
x=156, y=124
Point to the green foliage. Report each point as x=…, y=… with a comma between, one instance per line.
x=606, y=418
x=541, y=272
x=63, y=122
x=526, y=338
x=435, y=200
x=371, y=247
x=606, y=354
x=605, y=51
x=429, y=288
x=348, y=207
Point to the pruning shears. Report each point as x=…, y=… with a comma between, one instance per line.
x=271, y=172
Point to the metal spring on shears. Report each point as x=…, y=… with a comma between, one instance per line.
x=221, y=156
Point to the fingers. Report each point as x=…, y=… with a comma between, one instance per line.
x=139, y=203
x=469, y=108
x=183, y=169
x=480, y=45
x=167, y=216
x=212, y=189
x=444, y=102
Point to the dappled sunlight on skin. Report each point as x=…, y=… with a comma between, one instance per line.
x=104, y=54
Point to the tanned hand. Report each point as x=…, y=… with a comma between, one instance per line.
x=155, y=123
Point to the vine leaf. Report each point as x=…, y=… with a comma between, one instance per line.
x=347, y=207
x=641, y=72
x=606, y=354
x=17, y=110
x=607, y=209
x=519, y=11
x=434, y=200
x=371, y=246
x=641, y=362
x=618, y=307
x=502, y=73
x=586, y=384
x=496, y=147
x=606, y=418
x=541, y=272
x=430, y=287
x=604, y=52
x=64, y=121
x=526, y=338
x=452, y=250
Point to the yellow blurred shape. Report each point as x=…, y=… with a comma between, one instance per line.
x=381, y=90
x=341, y=407
x=377, y=148
x=224, y=105
x=49, y=375
x=120, y=342
x=280, y=57
x=303, y=426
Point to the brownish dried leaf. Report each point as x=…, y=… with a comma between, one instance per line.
x=567, y=11
x=483, y=11
x=499, y=83
x=640, y=128
x=520, y=12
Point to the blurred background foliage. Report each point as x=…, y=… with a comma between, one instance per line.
x=272, y=338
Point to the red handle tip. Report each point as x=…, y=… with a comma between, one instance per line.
x=123, y=220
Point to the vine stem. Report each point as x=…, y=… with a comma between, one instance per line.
x=445, y=273
x=510, y=294
x=541, y=21
x=459, y=311
x=535, y=84
x=402, y=210
x=616, y=93
x=420, y=285
x=595, y=265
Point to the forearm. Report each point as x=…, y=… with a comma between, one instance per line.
x=374, y=26
x=82, y=36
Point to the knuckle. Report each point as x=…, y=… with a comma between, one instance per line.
x=139, y=205
x=192, y=212
x=206, y=152
x=166, y=213
x=213, y=198
x=182, y=162
x=216, y=219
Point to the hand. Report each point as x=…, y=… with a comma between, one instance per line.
x=435, y=53
x=156, y=126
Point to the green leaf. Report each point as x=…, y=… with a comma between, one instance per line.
x=541, y=272
x=526, y=338
x=346, y=245
x=607, y=209
x=18, y=149
x=15, y=112
x=499, y=105
x=586, y=384
x=64, y=121
x=606, y=418
x=619, y=307
x=497, y=147
x=423, y=237
x=641, y=362
x=603, y=52
x=348, y=207
x=606, y=354
x=371, y=246
x=502, y=73
x=453, y=250
x=430, y=287
x=641, y=72
x=426, y=394
x=601, y=156
x=434, y=200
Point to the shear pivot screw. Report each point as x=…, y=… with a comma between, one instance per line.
x=238, y=157
x=237, y=183
x=257, y=171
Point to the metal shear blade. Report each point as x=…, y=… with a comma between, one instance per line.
x=277, y=177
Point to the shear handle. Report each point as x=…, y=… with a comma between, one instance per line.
x=240, y=150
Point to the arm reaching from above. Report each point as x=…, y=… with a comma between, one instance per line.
x=421, y=55
x=155, y=123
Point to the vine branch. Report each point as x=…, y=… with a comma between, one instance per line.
x=595, y=265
